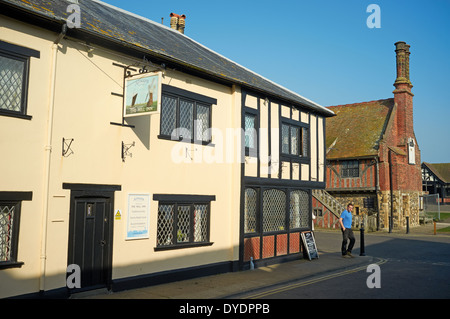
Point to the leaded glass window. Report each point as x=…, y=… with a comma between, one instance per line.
x=250, y=212
x=200, y=223
x=12, y=83
x=202, y=122
x=185, y=119
x=274, y=210
x=182, y=223
x=299, y=209
x=9, y=231
x=350, y=168
x=6, y=228
x=250, y=131
x=169, y=116
x=294, y=140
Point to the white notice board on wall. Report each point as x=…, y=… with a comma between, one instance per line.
x=138, y=220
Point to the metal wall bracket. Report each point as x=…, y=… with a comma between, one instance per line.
x=66, y=147
x=125, y=150
x=129, y=71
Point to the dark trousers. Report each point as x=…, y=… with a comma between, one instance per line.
x=347, y=234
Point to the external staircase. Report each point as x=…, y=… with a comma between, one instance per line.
x=328, y=201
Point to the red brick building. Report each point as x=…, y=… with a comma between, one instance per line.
x=373, y=158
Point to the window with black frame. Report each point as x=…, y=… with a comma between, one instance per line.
x=294, y=140
x=183, y=221
x=350, y=168
x=9, y=233
x=185, y=116
x=14, y=70
x=10, y=211
x=251, y=132
x=275, y=214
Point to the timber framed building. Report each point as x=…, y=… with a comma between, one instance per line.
x=220, y=170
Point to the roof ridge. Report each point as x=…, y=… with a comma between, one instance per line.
x=137, y=16
x=218, y=54
x=440, y=172
x=360, y=103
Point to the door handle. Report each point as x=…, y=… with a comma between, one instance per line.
x=103, y=242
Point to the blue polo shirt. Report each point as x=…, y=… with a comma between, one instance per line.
x=346, y=219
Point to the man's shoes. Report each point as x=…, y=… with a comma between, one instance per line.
x=346, y=256
x=350, y=254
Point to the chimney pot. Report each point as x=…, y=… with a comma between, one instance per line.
x=402, y=55
x=177, y=22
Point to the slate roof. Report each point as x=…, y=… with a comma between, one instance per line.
x=357, y=128
x=441, y=170
x=119, y=26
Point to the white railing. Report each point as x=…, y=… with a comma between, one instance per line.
x=328, y=201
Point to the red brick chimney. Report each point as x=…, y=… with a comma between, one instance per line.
x=407, y=172
x=403, y=97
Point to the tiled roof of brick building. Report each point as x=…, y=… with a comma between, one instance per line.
x=357, y=128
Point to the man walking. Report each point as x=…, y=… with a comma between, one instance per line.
x=347, y=234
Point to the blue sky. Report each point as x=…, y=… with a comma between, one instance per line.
x=324, y=50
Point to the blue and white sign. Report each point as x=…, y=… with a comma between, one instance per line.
x=138, y=220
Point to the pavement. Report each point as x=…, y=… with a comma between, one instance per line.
x=232, y=285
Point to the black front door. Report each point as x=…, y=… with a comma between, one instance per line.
x=90, y=240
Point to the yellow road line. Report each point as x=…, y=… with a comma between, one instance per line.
x=309, y=282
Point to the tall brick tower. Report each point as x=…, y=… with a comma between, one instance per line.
x=405, y=178
x=403, y=96
x=409, y=176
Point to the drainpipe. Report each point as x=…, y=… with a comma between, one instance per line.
x=377, y=189
x=391, y=222
x=48, y=153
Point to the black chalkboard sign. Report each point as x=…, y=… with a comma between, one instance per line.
x=310, y=244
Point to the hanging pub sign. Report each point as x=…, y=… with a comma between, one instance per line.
x=142, y=94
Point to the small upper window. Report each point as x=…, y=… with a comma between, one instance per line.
x=185, y=116
x=251, y=132
x=294, y=140
x=14, y=70
x=350, y=169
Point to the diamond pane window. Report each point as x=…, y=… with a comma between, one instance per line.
x=185, y=118
x=250, y=131
x=201, y=223
x=165, y=225
x=304, y=141
x=6, y=227
x=294, y=140
x=202, y=123
x=12, y=84
x=285, y=139
x=299, y=209
x=181, y=224
x=274, y=210
x=168, y=115
x=250, y=224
